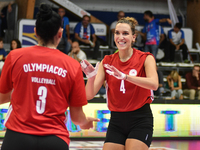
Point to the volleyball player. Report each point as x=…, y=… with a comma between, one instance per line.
x=130, y=76
x=41, y=83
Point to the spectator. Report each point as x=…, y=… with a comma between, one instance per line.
x=14, y=44
x=120, y=15
x=8, y=16
x=4, y=18
x=160, y=89
x=174, y=83
x=85, y=34
x=163, y=43
x=150, y=32
x=139, y=41
x=177, y=42
x=65, y=43
x=192, y=83
x=3, y=53
x=77, y=53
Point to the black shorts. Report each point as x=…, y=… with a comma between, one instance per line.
x=136, y=124
x=20, y=141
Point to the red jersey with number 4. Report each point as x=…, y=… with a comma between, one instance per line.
x=123, y=96
x=45, y=82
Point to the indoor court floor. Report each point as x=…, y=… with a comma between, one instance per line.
x=156, y=145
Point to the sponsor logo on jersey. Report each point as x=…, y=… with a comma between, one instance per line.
x=133, y=72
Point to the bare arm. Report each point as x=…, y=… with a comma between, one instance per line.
x=182, y=42
x=179, y=84
x=75, y=57
x=162, y=37
x=94, y=84
x=151, y=79
x=4, y=98
x=170, y=40
x=165, y=20
x=169, y=81
x=78, y=117
x=80, y=39
x=68, y=33
x=94, y=38
x=143, y=35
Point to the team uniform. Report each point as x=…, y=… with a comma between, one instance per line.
x=131, y=116
x=45, y=82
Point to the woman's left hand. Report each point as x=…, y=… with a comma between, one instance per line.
x=115, y=72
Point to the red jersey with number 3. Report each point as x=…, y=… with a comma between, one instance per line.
x=45, y=82
x=123, y=96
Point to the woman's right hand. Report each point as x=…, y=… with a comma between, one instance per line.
x=88, y=69
x=89, y=123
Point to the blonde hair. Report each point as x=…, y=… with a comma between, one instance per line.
x=174, y=75
x=130, y=21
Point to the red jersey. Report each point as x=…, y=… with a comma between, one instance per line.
x=123, y=96
x=45, y=82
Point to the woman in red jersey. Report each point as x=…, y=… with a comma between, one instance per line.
x=130, y=76
x=40, y=82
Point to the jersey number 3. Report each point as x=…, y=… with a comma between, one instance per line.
x=41, y=103
x=122, y=87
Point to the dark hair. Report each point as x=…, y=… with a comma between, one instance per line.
x=1, y=39
x=18, y=44
x=148, y=13
x=61, y=8
x=178, y=25
x=48, y=23
x=120, y=12
x=86, y=16
x=130, y=21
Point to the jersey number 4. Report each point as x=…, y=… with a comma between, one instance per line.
x=122, y=87
x=41, y=103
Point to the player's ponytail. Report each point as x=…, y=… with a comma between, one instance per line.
x=48, y=23
x=131, y=21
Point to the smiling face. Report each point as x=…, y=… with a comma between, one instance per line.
x=123, y=36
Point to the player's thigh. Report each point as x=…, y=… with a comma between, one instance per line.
x=134, y=144
x=52, y=142
x=113, y=146
x=18, y=141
